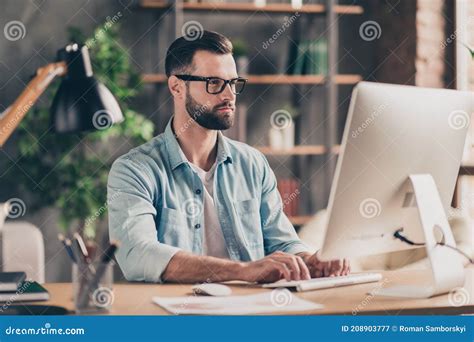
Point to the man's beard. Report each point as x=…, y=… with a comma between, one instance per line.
x=209, y=117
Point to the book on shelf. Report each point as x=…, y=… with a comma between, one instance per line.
x=309, y=57
x=290, y=194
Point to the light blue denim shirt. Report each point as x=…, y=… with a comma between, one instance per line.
x=155, y=203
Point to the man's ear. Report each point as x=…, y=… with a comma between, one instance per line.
x=176, y=86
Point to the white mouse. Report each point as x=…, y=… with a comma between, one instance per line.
x=217, y=290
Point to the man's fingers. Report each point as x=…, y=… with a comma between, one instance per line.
x=336, y=268
x=303, y=268
x=346, y=268
x=291, y=262
x=326, y=268
x=282, y=268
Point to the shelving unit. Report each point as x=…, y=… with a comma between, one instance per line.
x=329, y=11
x=250, y=7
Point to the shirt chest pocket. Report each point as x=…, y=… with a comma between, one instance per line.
x=248, y=214
x=172, y=228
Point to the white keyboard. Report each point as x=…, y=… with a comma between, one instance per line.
x=327, y=282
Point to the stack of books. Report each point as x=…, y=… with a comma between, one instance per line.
x=15, y=288
x=309, y=57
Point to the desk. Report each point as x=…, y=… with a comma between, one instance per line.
x=135, y=298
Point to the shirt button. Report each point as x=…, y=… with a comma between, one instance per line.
x=197, y=226
x=198, y=191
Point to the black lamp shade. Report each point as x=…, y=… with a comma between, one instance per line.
x=82, y=103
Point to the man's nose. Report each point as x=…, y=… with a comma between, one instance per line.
x=227, y=94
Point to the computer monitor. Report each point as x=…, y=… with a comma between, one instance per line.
x=392, y=132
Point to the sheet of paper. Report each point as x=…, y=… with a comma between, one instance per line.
x=278, y=300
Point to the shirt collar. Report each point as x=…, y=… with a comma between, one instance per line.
x=176, y=155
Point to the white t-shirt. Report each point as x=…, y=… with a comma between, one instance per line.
x=214, y=243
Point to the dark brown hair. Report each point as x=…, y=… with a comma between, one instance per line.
x=179, y=56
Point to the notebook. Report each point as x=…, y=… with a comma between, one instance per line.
x=10, y=281
x=27, y=291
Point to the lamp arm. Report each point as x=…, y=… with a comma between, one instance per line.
x=13, y=115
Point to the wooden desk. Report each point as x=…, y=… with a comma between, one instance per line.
x=135, y=298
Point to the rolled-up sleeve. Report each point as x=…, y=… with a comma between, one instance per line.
x=278, y=232
x=132, y=218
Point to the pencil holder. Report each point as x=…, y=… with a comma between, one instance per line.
x=92, y=286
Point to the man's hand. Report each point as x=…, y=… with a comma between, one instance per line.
x=274, y=267
x=318, y=268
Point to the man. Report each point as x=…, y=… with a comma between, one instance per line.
x=192, y=205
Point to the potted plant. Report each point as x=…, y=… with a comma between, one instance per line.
x=240, y=51
x=69, y=172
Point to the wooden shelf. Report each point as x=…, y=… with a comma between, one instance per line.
x=301, y=150
x=250, y=7
x=297, y=150
x=154, y=78
x=300, y=220
x=275, y=79
x=467, y=170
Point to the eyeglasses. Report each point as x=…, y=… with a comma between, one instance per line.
x=216, y=85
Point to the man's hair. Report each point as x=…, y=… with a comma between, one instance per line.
x=179, y=56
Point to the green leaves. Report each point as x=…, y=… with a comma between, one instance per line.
x=68, y=171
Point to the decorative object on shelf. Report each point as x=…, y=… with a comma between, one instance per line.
x=310, y=58
x=260, y=3
x=240, y=51
x=290, y=193
x=296, y=4
x=282, y=131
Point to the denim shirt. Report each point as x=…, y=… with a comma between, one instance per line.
x=155, y=204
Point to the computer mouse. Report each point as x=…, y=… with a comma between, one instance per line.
x=216, y=290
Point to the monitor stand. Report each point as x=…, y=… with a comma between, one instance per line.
x=447, y=269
